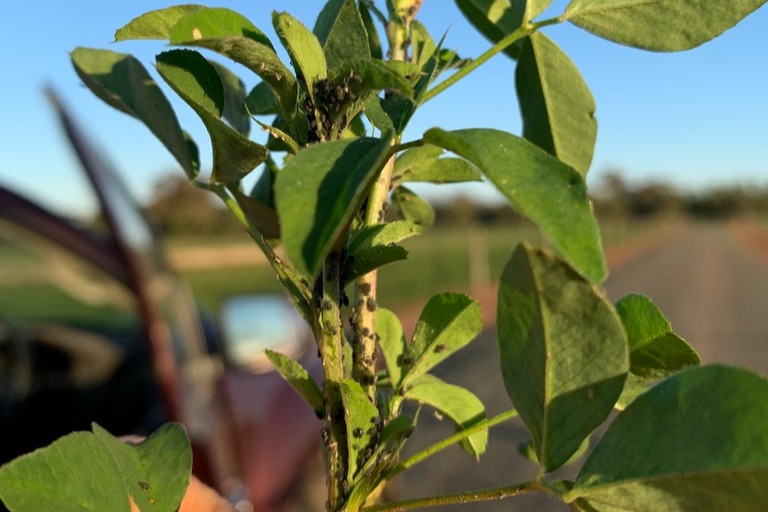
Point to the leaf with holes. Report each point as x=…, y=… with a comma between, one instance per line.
x=197, y=82
x=562, y=349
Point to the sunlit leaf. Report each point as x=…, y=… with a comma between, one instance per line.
x=341, y=32
x=448, y=322
x=539, y=186
x=197, y=82
x=361, y=418
x=424, y=164
x=155, y=24
x=319, y=190
x=213, y=23
x=557, y=107
x=240, y=41
x=299, y=379
x=696, y=441
x=655, y=350
x=392, y=343
x=659, y=25
x=122, y=82
x=155, y=471
x=57, y=478
x=563, y=352
x=303, y=48
x=457, y=403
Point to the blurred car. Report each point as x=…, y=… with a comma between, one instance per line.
x=94, y=326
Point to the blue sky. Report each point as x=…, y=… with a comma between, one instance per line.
x=693, y=119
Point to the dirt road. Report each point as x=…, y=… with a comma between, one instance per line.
x=714, y=292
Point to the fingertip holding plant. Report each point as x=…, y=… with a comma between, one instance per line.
x=568, y=356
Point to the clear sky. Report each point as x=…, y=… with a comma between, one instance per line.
x=692, y=119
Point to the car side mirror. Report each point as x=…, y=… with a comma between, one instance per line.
x=250, y=324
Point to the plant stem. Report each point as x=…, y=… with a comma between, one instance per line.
x=497, y=493
x=469, y=67
x=290, y=280
x=328, y=332
x=449, y=441
x=397, y=148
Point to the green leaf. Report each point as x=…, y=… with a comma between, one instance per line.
x=659, y=25
x=424, y=164
x=696, y=441
x=341, y=32
x=448, y=322
x=261, y=100
x=496, y=19
x=381, y=234
x=370, y=259
x=213, y=23
x=539, y=186
x=535, y=7
x=459, y=404
x=527, y=450
x=154, y=24
x=155, y=471
x=384, y=456
x=361, y=418
x=298, y=378
x=655, y=351
x=364, y=77
x=633, y=388
x=391, y=342
x=244, y=44
x=319, y=191
x=74, y=474
x=557, y=107
x=422, y=44
x=122, y=82
x=303, y=48
x=374, y=43
x=234, y=100
x=197, y=82
x=375, y=246
x=412, y=208
x=562, y=349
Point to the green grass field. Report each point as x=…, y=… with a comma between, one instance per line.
x=438, y=261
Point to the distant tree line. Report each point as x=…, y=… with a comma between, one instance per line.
x=182, y=210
